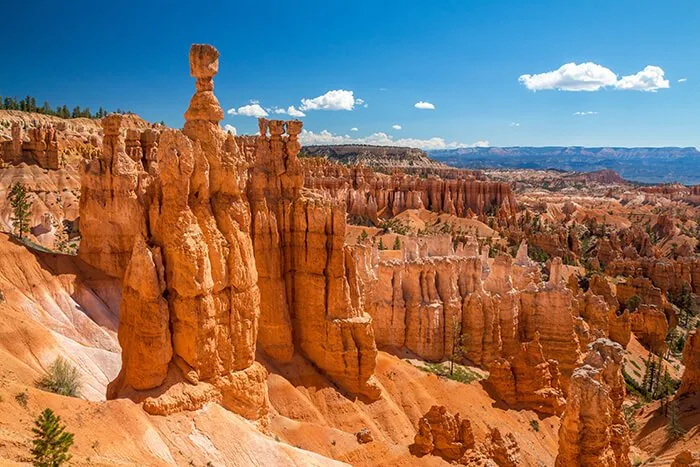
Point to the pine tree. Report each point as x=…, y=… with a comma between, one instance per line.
x=674, y=430
x=381, y=245
x=51, y=442
x=21, y=208
x=397, y=244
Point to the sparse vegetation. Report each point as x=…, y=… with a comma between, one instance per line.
x=362, y=238
x=459, y=373
x=21, y=208
x=674, y=430
x=633, y=303
x=537, y=254
x=51, y=442
x=394, y=226
x=22, y=398
x=62, y=378
x=397, y=244
x=535, y=425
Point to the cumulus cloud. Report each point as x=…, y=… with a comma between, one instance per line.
x=514, y=124
x=354, y=129
x=683, y=80
x=230, y=128
x=338, y=99
x=294, y=112
x=650, y=79
x=424, y=105
x=583, y=114
x=361, y=102
x=251, y=110
x=396, y=127
x=382, y=139
x=590, y=76
x=571, y=77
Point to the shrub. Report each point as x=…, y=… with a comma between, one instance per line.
x=51, y=442
x=22, y=398
x=62, y=378
x=633, y=302
x=535, y=425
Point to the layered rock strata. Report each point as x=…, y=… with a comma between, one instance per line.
x=528, y=380
x=690, y=383
x=190, y=306
x=593, y=429
x=197, y=222
x=305, y=269
x=372, y=195
x=442, y=434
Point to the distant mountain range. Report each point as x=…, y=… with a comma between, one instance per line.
x=646, y=165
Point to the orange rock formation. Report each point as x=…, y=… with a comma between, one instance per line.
x=593, y=429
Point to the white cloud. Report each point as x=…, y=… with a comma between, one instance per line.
x=230, y=128
x=278, y=110
x=590, y=76
x=514, y=124
x=361, y=102
x=294, y=112
x=571, y=77
x=396, y=127
x=583, y=114
x=683, y=80
x=354, y=129
x=382, y=139
x=651, y=78
x=251, y=110
x=424, y=105
x=338, y=99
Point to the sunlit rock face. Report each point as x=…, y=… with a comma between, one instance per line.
x=196, y=231
x=593, y=429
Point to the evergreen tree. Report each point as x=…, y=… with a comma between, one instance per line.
x=381, y=245
x=21, y=208
x=51, y=442
x=674, y=430
x=47, y=108
x=76, y=112
x=397, y=244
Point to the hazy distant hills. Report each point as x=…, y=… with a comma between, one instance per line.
x=648, y=165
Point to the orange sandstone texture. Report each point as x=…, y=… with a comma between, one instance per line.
x=593, y=429
x=374, y=195
x=690, y=384
x=196, y=222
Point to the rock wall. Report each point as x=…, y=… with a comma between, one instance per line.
x=593, y=429
x=372, y=195
x=40, y=146
x=527, y=379
x=113, y=203
x=299, y=241
x=198, y=223
x=190, y=307
x=690, y=383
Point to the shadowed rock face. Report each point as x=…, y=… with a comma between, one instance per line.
x=690, y=383
x=196, y=232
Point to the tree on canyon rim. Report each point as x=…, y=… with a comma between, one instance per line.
x=21, y=207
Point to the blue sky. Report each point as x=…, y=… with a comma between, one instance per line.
x=464, y=57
